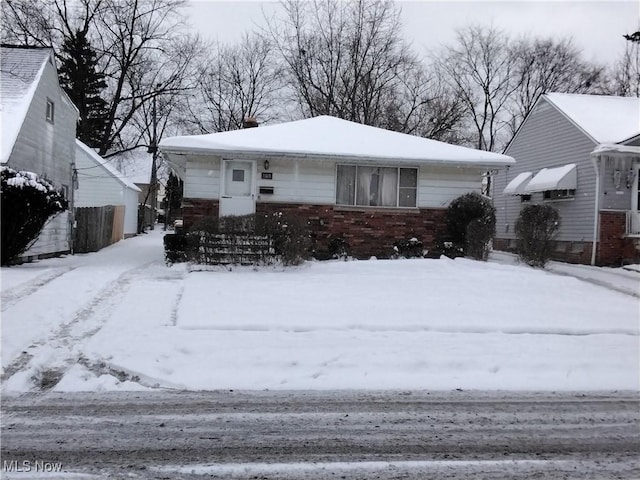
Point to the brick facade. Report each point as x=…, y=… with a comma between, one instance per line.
x=195, y=210
x=369, y=232
x=615, y=248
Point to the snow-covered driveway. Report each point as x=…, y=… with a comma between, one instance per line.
x=120, y=319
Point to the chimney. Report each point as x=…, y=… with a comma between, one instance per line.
x=250, y=122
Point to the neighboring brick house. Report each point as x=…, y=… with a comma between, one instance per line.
x=39, y=133
x=580, y=154
x=369, y=186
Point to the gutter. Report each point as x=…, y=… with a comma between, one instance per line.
x=256, y=154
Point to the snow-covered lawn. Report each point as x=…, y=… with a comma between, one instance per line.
x=377, y=324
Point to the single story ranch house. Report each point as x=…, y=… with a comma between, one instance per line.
x=367, y=186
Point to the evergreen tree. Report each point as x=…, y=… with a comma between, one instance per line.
x=81, y=80
x=173, y=197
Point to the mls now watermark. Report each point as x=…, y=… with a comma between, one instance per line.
x=26, y=466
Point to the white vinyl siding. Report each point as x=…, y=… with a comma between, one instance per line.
x=202, y=177
x=439, y=186
x=314, y=181
x=298, y=181
x=98, y=187
x=48, y=150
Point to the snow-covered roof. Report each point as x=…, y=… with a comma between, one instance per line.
x=326, y=136
x=20, y=71
x=608, y=148
x=605, y=118
x=101, y=162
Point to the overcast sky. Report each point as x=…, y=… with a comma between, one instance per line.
x=596, y=26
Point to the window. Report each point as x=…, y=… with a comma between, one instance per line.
x=376, y=186
x=525, y=198
x=237, y=176
x=558, y=194
x=50, y=111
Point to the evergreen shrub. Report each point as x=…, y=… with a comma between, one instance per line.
x=471, y=225
x=535, y=227
x=412, y=248
x=28, y=202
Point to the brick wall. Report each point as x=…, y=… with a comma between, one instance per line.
x=197, y=209
x=614, y=248
x=368, y=232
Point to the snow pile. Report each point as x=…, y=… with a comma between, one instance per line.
x=393, y=324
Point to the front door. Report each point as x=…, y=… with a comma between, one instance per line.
x=237, y=193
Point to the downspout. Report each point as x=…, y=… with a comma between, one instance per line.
x=596, y=159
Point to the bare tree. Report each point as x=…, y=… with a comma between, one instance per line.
x=479, y=67
x=547, y=65
x=238, y=81
x=348, y=59
x=144, y=50
x=626, y=72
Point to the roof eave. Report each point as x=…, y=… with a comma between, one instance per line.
x=353, y=158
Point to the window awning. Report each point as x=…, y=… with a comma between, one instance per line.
x=558, y=178
x=517, y=185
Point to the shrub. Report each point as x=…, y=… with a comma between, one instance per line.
x=412, y=248
x=339, y=248
x=290, y=236
x=175, y=248
x=471, y=224
x=247, y=239
x=535, y=227
x=27, y=203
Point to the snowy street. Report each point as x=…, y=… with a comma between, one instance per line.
x=322, y=435
x=119, y=319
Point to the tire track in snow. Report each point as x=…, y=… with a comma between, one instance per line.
x=18, y=293
x=86, y=322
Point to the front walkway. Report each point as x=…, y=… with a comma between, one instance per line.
x=625, y=280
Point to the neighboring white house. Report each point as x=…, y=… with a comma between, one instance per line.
x=38, y=132
x=136, y=166
x=368, y=186
x=580, y=154
x=101, y=184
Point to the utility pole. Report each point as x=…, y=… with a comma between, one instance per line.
x=153, y=149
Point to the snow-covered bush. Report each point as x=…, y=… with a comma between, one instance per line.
x=290, y=235
x=339, y=248
x=27, y=203
x=247, y=239
x=412, y=248
x=471, y=225
x=535, y=227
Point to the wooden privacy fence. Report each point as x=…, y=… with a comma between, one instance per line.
x=98, y=227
